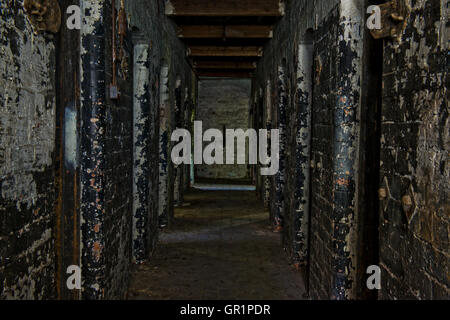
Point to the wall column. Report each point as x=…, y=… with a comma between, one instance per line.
x=303, y=151
x=280, y=176
x=345, y=154
x=268, y=106
x=163, y=213
x=92, y=162
x=179, y=124
x=141, y=150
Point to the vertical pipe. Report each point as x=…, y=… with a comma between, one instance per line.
x=163, y=213
x=178, y=185
x=141, y=151
x=268, y=179
x=302, y=151
x=114, y=54
x=93, y=122
x=280, y=176
x=186, y=108
x=345, y=153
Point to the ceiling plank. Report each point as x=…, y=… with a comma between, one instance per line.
x=220, y=32
x=211, y=51
x=224, y=74
x=225, y=8
x=240, y=65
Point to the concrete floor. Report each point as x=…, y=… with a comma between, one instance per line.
x=219, y=247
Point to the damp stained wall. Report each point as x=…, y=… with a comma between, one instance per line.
x=111, y=239
x=412, y=239
x=319, y=223
x=322, y=17
x=414, y=243
x=27, y=146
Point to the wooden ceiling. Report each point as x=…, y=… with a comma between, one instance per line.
x=225, y=38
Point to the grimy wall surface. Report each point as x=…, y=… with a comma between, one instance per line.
x=223, y=104
x=318, y=216
x=86, y=180
x=27, y=150
x=406, y=231
x=132, y=198
x=415, y=216
x=172, y=94
x=67, y=169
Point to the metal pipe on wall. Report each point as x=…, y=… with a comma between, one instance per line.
x=345, y=155
x=92, y=162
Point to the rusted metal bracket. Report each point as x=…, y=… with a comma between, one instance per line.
x=394, y=18
x=44, y=15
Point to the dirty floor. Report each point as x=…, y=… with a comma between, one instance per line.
x=219, y=247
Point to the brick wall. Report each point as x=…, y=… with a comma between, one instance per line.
x=27, y=143
x=322, y=173
x=119, y=175
x=223, y=104
x=148, y=18
x=414, y=243
x=412, y=240
x=289, y=34
x=109, y=263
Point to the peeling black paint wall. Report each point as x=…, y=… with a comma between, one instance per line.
x=119, y=172
x=322, y=160
x=323, y=235
x=27, y=157
x=413, y=171
x=289, y=33
x=148, y=18
x=107, y=234
x=414, y=247
x=67, y=234
x=412, y=108
x=95, y=106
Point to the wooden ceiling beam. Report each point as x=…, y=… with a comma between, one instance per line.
x=241, y=65
x=225, y=8
x=229, y=31
x=224, y=74
x=211, y=51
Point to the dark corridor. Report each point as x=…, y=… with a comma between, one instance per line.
x=117, y=115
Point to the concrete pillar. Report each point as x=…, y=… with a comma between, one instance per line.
x=141, y=150
x=92, y=162
x=345, y=153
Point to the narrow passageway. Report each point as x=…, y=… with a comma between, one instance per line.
x=122, y=122
x=220, y=246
